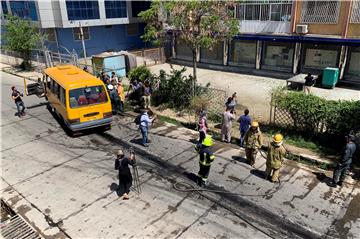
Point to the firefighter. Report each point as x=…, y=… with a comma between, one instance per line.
x=206, y=158
x=253, y=142
x=275, y=158
x=345, y=162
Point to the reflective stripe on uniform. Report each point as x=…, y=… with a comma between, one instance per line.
x=212, y=156
x=204, y=163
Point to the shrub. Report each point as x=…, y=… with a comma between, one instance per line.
x=315, y=115
x=175, y=89
x=199, y=103
x=140, y=73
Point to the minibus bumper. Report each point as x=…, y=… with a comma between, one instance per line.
x=90, y=124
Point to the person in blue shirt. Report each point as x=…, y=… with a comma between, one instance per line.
x=146, y=120
x=245, y=123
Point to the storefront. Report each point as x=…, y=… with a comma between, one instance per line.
x=353, y=66
x=183, y=52
x=242, y=53
x=317, y=57
x=214, y=55
x=278, y=56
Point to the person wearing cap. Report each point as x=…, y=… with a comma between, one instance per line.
x=125, y=178
x=275, y=158
x=115, y=99
x=252, y=142
x=346, y=160
x=206, y=158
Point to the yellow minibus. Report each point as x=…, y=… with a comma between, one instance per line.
x=79, y=99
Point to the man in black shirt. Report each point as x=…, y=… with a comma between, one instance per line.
x=309, y=82
x=16, y=96
x=125, y=177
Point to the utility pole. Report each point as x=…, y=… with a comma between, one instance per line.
x=83, y=42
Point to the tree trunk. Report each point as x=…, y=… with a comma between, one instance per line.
x=194, y=70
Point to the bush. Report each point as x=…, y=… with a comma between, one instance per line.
x=175, y=89
x=315, y=115
x=140, y=73
x=199, y=103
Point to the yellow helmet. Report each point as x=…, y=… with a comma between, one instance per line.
x=207, y=141
x=254, y=124
x=278, y=138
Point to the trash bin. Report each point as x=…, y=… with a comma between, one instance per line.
x=330, y=77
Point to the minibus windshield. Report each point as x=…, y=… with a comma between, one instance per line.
x=87, y=96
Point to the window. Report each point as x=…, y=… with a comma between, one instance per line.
x=4, y=7
x=115, y=9
x=139, y=6
x=77, y=33
x=132, y=29
x=24, y=9
x=62, y=96
x=355, y=12
x=320, y=11
x=50, y=34
x=82, y=10
x=87, y=96
x=273, y=10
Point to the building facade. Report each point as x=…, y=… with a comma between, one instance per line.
x=106, y=25
x=289, y=36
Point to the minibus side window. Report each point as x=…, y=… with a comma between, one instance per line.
x=62, y=96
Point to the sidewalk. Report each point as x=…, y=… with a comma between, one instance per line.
x=302, y=198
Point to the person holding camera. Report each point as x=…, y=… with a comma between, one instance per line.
x=125, y=177
x=16, y=96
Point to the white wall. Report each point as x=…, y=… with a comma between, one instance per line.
x=249, y=26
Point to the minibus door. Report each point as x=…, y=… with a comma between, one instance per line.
x=35, y=88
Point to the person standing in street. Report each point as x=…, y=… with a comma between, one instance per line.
x=275, y=158
x=115, y=99
x=231, y=102
x=147, y=95
x=245, y=123
x=345, y=162
x=226, y=126
x=146, y=120
x=114, y=77
x=202, y=126
x=309, y=82
x=121, y=93
x=206, y=158
x=125, y=178
x=252, y=142
x=16, y=96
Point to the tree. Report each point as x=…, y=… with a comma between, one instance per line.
x=197, y=23
x=21, y=36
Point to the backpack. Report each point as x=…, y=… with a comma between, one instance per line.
x=137, y=120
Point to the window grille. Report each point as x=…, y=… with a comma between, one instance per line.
x=273, y=10
x=355, y=12
x=320, y=11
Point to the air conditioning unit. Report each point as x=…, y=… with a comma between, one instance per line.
x=301, y=29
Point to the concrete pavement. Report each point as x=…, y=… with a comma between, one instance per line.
x=64, y=187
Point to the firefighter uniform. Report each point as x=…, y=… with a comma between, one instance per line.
x=253, y=142
x=206, y=158
x=275, y=158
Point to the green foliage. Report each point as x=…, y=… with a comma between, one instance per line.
x=196, y=23
x=21, y=36
x=141, y=73
x=174, y=89
x=199, y=103
x=215, y=117
x=314, y=115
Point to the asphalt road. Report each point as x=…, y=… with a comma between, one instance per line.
x=64, y=186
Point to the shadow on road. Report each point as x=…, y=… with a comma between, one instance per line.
x=239, y=159
x=258, y=173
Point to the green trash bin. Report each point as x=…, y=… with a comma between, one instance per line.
x=330, y=77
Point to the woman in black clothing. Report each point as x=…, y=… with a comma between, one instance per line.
x=125, y=177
